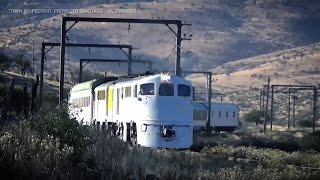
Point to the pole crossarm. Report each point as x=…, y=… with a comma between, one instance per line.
x=110, y=61
x=124, y=52
x=75, y=22
x=122, y=20
x=89, y=45
x=48, y=49
x=292, y=86
x=114, y=60
x=85, y=64
x=172, y=30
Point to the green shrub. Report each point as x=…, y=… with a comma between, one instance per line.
x=18, y=100
x=50, y=99
x=253, y=116
x=17, y=105
x=59, y=125
x=304, y=123
x=53, y=146
x=3, y=92
x=30, y=154
x=311, y=141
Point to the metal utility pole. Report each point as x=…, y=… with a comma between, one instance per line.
x=177, y=67
x=262, y=107
x=129, y=61
x=80, y=71
x=289, y=108
x=266, y=112
x=314, y=108
x=32, y=58
x=271, y=113
x=260, y=102
x=41, y=73
x=293, y=111
x=62, y=56
x=208, y=125
x=75, y=20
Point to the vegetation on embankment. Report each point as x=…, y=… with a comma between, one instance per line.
x=51, y=145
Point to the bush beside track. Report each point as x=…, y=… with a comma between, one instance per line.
x=51, y=145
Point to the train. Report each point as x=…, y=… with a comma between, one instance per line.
x=150, y=110
x=224, y=116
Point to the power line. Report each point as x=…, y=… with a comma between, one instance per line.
x=171, y=53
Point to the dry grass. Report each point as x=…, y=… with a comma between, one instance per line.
x=47, y=147
x=39, y=148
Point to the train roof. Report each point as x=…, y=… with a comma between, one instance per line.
x=92, y=84
x=136, y=78
x=83, y=86
x=89, y=85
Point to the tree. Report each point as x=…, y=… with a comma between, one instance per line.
x=253, y=116
x=22, y=63
x=74, y=75
x=89, y=75
x=4, y=62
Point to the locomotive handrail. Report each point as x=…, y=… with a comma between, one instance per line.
x=173, y=125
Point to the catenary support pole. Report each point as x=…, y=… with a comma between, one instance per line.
x=41, y=74
x=289, y=109
x=271, y=113
x=62, y=58
x=266, y=111
x=177, y=67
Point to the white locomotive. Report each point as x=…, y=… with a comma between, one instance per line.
x=149, y=110
x=224, y=116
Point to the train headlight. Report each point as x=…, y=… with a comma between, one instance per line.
x=168, y=133
x=144, y=128
x=165, y=77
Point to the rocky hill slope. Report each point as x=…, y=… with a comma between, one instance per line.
x=223, y=31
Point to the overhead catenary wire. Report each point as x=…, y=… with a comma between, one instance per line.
x=171, y=53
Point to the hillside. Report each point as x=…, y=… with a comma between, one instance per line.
x=298, y=66
x=223, y=31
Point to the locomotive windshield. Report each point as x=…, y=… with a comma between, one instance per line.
x=166, y=89
x=184, y=90
x=147, y=89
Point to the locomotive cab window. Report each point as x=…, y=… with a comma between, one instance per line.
x=147, y=89
x=184, y=90
x=166, y=89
